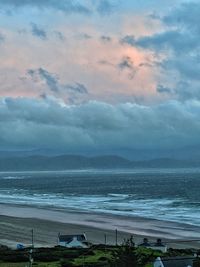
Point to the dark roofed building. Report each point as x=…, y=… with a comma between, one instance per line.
x=158, y=245
x=145, y=243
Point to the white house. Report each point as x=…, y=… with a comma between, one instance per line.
x=73, y=241
x=174, y=262
x=158, y=263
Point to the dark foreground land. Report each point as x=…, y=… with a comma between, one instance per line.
x=125, y=255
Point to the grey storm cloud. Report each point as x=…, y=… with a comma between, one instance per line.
x=128, y=39
x=174, y=40
x=103, y=7
x=163, y=89
x=180, y=45
x=187, y=65
x=51, y=80
x=77, y=87
x=85, y=36
x=38, y=31
x=97, y=126
x=66, y=6
x=59, y=35
x=53, y=83
x=106, y=39
x=127, y=64
x=185, y=16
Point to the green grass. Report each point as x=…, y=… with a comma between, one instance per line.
x=95, y=256
x=41, y=264
x=92, y=258
x=7, y=264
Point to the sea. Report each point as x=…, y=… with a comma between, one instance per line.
x=164, y=194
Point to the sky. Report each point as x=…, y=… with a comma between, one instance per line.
x=99, y=76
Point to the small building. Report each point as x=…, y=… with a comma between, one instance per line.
x=73, y=241
x=145, y=243
x=158, y=245
x=174, y=262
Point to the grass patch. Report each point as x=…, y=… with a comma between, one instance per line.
x=96, y=256
x=36, y=264
x=99, y=256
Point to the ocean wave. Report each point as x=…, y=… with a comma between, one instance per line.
x=165, y=195
x=162, y=209
x=13, y=178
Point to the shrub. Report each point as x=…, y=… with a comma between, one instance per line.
x=66, y=263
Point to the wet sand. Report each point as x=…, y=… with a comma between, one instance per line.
x=17, y=221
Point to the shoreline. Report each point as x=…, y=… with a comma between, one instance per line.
x=16, y=222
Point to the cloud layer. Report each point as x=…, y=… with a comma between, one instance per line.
x=102, y=7
x=53, y=85
x=97, y=126
x=99, y=75
x=67, y=6
x=180, y=48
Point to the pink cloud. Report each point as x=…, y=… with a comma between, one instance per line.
x=79, y=60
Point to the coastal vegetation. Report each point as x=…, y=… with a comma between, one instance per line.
x=126, y=255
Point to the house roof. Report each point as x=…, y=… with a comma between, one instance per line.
x=151, y=245
x=146, y=243
x=69, y=238
x=177, y=261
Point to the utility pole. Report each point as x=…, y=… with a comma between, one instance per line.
x=31, y=250
x=58, y=238
x=32, y=240
x=116, y=237
x=30, y=258
x=105, y=239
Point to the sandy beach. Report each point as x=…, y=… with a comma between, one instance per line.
x=17, y=221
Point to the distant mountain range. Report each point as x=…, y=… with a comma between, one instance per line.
x=74, y=162
x=190, y=153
